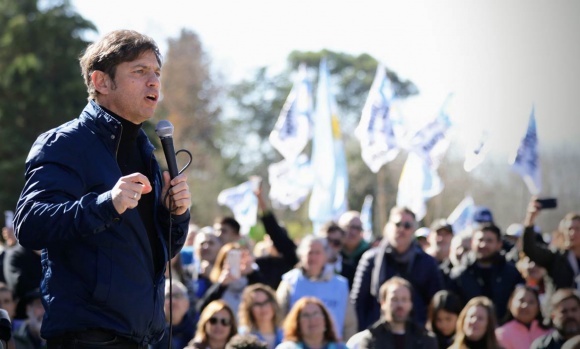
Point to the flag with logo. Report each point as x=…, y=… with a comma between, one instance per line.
x=462, y=215
x=432, y=141
x=526, y=161
x=293, y=127
x=375, y=130
x=418, y=183
x=243, y=203
x=328, y=197
x=290, y=182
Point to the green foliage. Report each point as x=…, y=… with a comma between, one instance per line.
x=40, y=83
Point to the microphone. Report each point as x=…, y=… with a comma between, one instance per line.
x=164, y=130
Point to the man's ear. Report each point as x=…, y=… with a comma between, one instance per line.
x=101, y=81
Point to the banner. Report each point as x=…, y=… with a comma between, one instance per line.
x=375, y=130
x=476, y=152
x=243, y=203
x=526, y=162
x=293, y=127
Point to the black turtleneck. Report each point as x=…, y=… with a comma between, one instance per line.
x=130, y=160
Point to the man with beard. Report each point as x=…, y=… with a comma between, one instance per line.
x=485, y=272
x=396, y=329
x=565, y=317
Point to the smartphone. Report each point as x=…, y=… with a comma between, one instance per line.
x=234, y=260
x=547, y=203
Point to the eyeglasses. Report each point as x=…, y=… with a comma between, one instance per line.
x=222, y=321
x=334, y=242
x=261, y=304
x=355, y=227
x=405, y=225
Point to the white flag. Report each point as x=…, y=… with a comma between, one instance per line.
x=293, y=127
x=462, y=215
x=290, y=182
x=375, y=130
x=366, y=217
x=526, y=162
x=243, y=203
x=476, y=152
x=431, y=141
x=418, y=183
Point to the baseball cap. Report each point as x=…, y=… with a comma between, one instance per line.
x=441, y=223
x=515, y=230
x=422, y=232
x=482, y=214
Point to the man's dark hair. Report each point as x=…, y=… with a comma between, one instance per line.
x=116, y=47
x=231, y=221
x=329, y=227
x=483, y=227
x=245, y=341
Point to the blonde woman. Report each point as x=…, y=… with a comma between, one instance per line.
x=476, y=326
x=259, y=314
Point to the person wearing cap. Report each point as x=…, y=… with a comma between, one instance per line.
x=421, y=237
x=482, y=214
x=398, y=254
x=439, y=240
x=484, y=271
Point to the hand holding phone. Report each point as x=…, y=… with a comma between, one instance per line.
x=547, y=203
x=234, y=260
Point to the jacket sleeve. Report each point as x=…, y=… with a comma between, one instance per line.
x=360, y=294
x=283, y=297
x=280, y=238
x=539, y=254
x=214, y=292
x=350, y=326
x=54, y=206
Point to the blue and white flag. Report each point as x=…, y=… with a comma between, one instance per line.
x=243, y=203
x=476, y=152
x=366, y=217
x=462, y=215
x=375, y=130
x=290, y=182
x=527, y=162
x=293, y=127
x=432, y=141
x=328, y=197
x=418, y=183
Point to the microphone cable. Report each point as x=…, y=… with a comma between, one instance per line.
x=170, y=269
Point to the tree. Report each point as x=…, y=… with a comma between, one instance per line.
x=40, y=83
x=191, y=101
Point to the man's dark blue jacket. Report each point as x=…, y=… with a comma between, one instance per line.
x=98, y=269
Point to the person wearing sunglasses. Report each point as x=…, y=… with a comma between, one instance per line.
x=259, y=314
x=335, y=236
x=216, y=326
x=398, y=254
x=309, y=324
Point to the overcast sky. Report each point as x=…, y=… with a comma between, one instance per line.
x=498, y=57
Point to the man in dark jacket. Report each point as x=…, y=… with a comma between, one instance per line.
x=397, y=255
x=485, y=272
x=98, y=206
x=396, y=329
x=565, y=316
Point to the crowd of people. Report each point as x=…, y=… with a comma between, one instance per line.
x=104, y=254
x=479, y=288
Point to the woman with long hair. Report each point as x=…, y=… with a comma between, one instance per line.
x=442, y=316
x=216, y=326
x=309, y=325
x=524, y=320
x=476, y=325
x=259, y=314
